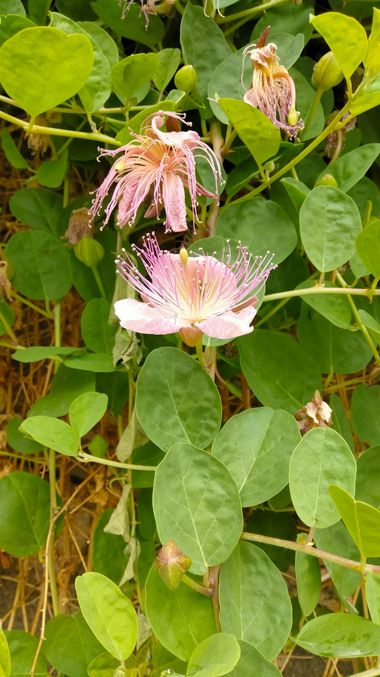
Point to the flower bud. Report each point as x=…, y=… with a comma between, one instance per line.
x=186, y=78
x=89, y=251
x=327, y=180
x=327, y=73
x=171, y=564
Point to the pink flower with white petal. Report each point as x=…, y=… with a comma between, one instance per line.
x=192, y=295
x=157, y=166
x=272, y=90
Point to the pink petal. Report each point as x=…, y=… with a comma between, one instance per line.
x=229, y=325
x=173, y=196
x=137, y=316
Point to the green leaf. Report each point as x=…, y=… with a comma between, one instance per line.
x=366, y=413
x=217, y=655
x=254, y=600
x=367, y=479
x=197, y=34
x=337, y=540
x=206, y=525
x=366, y=96
x=133, y=26
x=251, y=662
x=5, y=657
x=70, y=645
x=280, y=372
x=371, y=324
x=261, y=225
x=103, y=666
x=11, y=151
x=368, y=247
x=12, y=7
x=12, y=24
x=97, y=88
x=96, y=362
x=52, y=172
x=37, y=353
x=131, y=76
x=41, y=67
x=333, y=307
x=296, y=190
x=169, y=60
x=86, y=410
x=349, y=168
x=361, y=520
x=66, y=386
x=38, y=208
x=257, y=132
x=372, y=590
x=248, y=446
x=372, y=60
x=172, y=387
x=346, y=38
x=108, y=556
x=109, y=613
x=103, y=39
x=329, y=224
x=52, y=433
x=322, y=458
x=180, y=618
x=24, y=513
x=22, y=647
x=340, y=636
x=340, y=421
x=17, y=441
x=308, y=578
x=38, y=10
x=7, y=316
x=35, y=257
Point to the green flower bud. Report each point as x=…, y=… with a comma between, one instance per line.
x=327, y=180
x=186, y=78
x=327, y=73
x=171, y=564
x=89, y=251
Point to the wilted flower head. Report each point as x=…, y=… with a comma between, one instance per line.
x=315, y=414
x=79, y=225
x=147, y=7
x=192, y=295
x=272, y=89
x=159, y=166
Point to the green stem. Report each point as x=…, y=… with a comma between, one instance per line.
x=310, y=291
x=310, y=550
x=199, y=351
x=99, y=282
x=8, y=328
x=357, y=317
x=56, y=131
x=304, y=153
x=247, y=14
x=87, y=458
x=31, y=305
x=196, y=586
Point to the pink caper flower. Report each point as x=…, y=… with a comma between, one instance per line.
x=272, y=89
x=192, y=295
x=159, y=166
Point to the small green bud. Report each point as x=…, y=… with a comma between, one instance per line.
x=171, y=564
x=327, y=73
x=327, y=180
x=186, y=78
x=89, y=251
x=293, y=116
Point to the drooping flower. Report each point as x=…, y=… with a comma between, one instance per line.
x=272, y=89
x=192, y=295
x=315, y=414
x=147, y=7
x=157, y=165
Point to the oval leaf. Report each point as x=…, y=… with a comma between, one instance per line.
x=346, y=38
x=110, y=615
x=86, y=410
x=368, y=247
x=52, y=433
x=217, y=655
x=24, y=513
x=340, y=636
x=5, y=657
x=361, y=520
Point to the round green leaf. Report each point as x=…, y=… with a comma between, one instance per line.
x=367, y=479
x=366, y=413
x=174, y=389
x=109, y=613
x=24, y=513
x=361, y=520
x=368, y=247
x=333, y=307
x=322, y=458
x=349, y=168
x=346, y=38
x=308, y=577
x=41, y=67
x=22, y=647
x=217, y=655
x=337, y=540
x=340, y=636
x=52, y=433
x=280, y=372
x=254, y=600
x=86, y=410
x=260, y=225
x=252, y=662
x=38, y=208
x=180, y=618
x=257, y=132
x=5, y=657
x=70, y=645
x=19, y=442
x=35, y=257
x=248, y=446
x=329, y=224
x=372, y=590
x=206, y=525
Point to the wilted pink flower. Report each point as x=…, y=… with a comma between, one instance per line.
x=158, y=165
x=315, y=414
x=147, y=7
x=272, y=89
x=192, y=295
